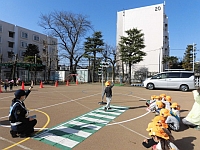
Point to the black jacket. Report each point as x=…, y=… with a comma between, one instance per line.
x=18, y=111
x=108, y=91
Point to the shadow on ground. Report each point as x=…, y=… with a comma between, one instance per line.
x=5, y=122
x=185, y=143
x=135, y=107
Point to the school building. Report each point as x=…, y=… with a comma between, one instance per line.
x=13, y=43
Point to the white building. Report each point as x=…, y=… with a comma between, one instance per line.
x=154, y=24
x=15, y=39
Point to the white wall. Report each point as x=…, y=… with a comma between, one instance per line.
x=150, y=20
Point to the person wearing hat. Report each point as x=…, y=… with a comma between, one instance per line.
x=21, y=124
x=162, y=138
x=172, y=122
x=167, y=101
x=147, y=143
x=175, y=110
x=193, y=118
x=149, y=101
x=108, y=93
x=159, y=106
x=158, y=121
x=152, y=103
x=162, y=96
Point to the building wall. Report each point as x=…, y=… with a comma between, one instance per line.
x=151, y=21
x=20, y=38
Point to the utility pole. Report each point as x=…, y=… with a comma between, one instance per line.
x=100, y=72
x=1, y=58
x=35, y=62
x=159, y=59
x=193, y=58
x=14, y=67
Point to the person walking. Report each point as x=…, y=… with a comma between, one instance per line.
x=108, y=93
x=21, y=124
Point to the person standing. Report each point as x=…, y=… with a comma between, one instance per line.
x=193, y=118
x=5, y=84
x=108, y=93
x=11, y=83
x=21, y=124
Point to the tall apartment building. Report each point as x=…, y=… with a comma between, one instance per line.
x=14, y=40
x=153, y=22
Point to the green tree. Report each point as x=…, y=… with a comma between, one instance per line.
x=188, y=58
x=31, y=55
x=171, y=61
x=130, y=48
x=93, y=46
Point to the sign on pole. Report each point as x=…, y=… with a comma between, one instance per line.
x=104, y=64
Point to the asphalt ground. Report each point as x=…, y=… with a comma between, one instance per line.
x=56, y=105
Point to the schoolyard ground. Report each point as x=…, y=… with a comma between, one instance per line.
x=69, y=117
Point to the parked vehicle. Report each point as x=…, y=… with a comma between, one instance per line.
x=182, y=80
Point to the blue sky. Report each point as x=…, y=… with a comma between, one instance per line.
x=183, y=15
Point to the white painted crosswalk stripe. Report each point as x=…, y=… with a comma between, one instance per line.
x=60, y=140
x=103, y=116
x=67, y=135
x=90, y=126
x=106, y=112
x=94, y=120
x=74, y=131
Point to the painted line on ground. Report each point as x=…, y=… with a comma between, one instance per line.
x=129, y=119
x=84, y=97
x=69, y=134
x=21, y=146
x=16, y=144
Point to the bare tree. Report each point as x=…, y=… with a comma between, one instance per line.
x=110, y=55
x=70, y=30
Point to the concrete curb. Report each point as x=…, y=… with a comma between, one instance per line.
x=137, y=85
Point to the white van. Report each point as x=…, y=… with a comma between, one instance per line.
x=182, y=80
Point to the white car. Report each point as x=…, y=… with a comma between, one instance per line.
x=182, y=80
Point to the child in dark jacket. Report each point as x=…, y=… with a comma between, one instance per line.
x=108, y=92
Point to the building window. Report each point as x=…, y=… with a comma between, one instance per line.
x=1, y=28
x=10, y=54
x=53, y=42
x=0, y=51
x=10, y=44
x=11, y=34
x=36, y=38
x=24, y=44
x=53, y=50
x=24, y=35
x=21, y=53
x=0, y=39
